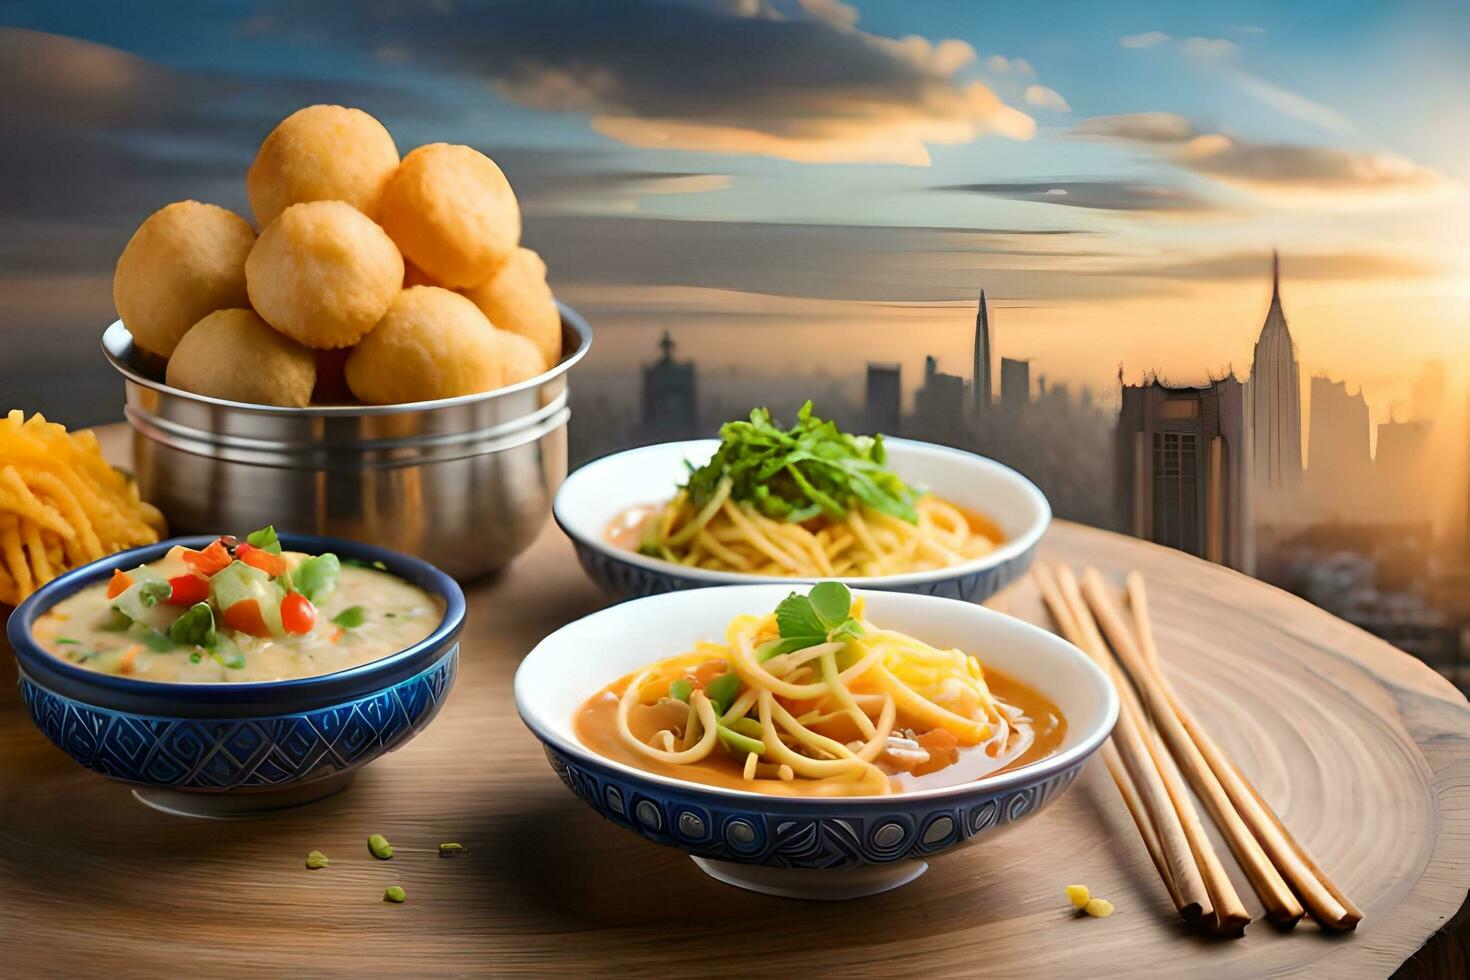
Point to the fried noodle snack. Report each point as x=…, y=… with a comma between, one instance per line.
x=61, y=505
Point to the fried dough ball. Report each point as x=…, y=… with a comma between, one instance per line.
x=185, y=261
x=321, y=153
x=432, y=343
x=234, y=354
x=520, y=360
x=517, y=299
x=323, y=274
x=453, y=213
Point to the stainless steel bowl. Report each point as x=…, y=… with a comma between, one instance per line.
x=465, y=482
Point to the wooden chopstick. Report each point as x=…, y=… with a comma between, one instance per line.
x=1281, y=905
x=1229, y=913
x=1132, y=765
x=1326, y=903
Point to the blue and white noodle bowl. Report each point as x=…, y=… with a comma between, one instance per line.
x=809, y=847
x=602, y=491
x=230, y=749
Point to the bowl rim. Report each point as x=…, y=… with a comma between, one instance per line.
x=232, y=699
x=1022, y=776
x=117, y=339
x=1012, y=548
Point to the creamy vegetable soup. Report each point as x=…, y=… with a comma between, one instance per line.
x=238, y=611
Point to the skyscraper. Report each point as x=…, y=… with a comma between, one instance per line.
x=1339, y=463
x=1276, y=398
x=884, y=397
x=1015, y=385
x=980, y=373
x=939, y=406
x=1182, y=469
x=669, y=402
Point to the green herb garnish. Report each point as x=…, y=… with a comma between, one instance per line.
x=823, y=615
x=195, y=627
x=153, y=639
x=798, y=473
x=350, y=618
x=265, y=539
x=226, y=654
x=68, y=641
x=154, y=591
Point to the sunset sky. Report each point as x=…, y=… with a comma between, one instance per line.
x=1113, y=175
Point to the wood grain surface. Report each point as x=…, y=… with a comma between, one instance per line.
x=1363, y=751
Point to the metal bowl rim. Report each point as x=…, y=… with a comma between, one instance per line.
x=117, y=336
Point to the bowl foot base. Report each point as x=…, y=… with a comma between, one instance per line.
x=243, y=804
x=829, y=885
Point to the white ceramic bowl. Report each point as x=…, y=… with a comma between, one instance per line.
x=811, y=848
x=596, y=494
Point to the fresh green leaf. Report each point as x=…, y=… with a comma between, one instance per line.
x=195, y=627
x=722, y=690
x=68, y=641
x=832, y=602
x=681, y=689
x=316, y=577
x=350, y=618
x=195, y=657
x=795, y=474
x=265, y=539
x=797, y=617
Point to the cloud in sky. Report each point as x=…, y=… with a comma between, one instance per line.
x=1348, y=265
x=1291, y=173
x=1096, y=195
x=803, y=84
x=999, y=64
x=1148, y=39
x=1046, y=98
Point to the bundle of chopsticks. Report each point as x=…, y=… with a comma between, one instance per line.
x=1159, y=751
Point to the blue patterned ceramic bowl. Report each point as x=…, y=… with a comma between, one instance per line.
x=231, y=749
x=810, y=848
x=596, y=495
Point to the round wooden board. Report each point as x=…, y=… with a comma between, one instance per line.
x=1364, y=752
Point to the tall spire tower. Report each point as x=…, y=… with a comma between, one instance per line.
x=1276, y=399
x=980, y=373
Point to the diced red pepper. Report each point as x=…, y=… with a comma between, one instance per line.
x=119, y=583
x=187, y=590
x=212, y=559
x=245, y=616
x=271, y=564
x=298, y=615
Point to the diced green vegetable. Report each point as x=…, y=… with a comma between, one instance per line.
x=722, y=691
x=740, y=743
x=265, y=539
x=394, y=894
x=316, y=577
x=446, y=850
x=745, y=726
x=152, y=638
x=316, y=860
x=238, y=581
x=139, y=602
x=224, y=652
x=350, y=618
x=379, y=847
x=67, y=641
x=681, y=689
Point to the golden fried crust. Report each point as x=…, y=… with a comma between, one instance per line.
x=432, y=343
x=185, y=261
x=234, y=354
x=517, y=299
x=520, y=359
x=321, y=153
x=323, y=274
x=452, y=213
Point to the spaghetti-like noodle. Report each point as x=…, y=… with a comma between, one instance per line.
x=840, y=711
x=727, y=536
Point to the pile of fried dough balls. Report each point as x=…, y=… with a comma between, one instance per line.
x=373, y=278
